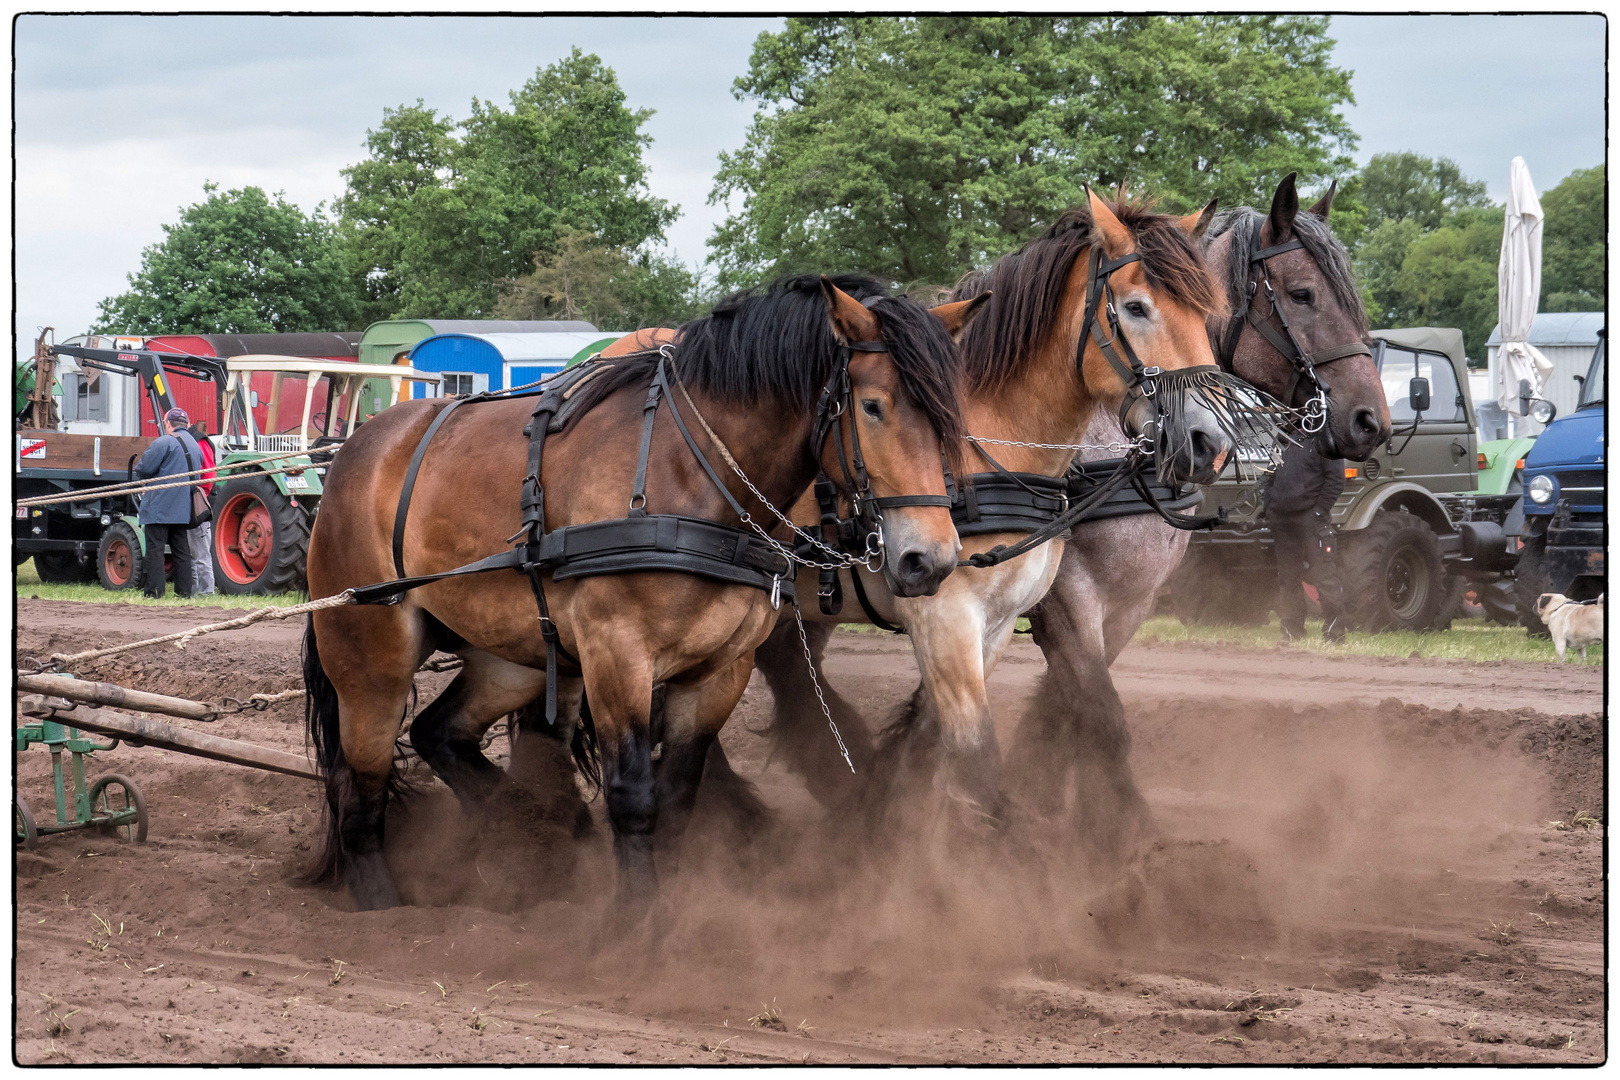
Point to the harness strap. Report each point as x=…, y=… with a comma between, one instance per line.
x=404, y=507
x=866, y=604
x=638, y=491
x=691, y=444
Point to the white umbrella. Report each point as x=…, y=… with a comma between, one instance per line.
x=1518, y=283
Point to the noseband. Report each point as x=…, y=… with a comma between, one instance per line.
x=1286, y=343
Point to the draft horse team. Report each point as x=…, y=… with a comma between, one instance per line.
x=612, y=551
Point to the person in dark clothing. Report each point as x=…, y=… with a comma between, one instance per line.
x=165, y=514
x=1298, y=500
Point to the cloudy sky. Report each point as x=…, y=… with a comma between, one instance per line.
x=119, y=120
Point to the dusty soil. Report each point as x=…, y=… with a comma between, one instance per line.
x=1355, y=865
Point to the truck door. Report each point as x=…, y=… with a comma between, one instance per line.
x=1440, y=453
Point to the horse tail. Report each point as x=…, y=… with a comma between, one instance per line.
x=321, y=724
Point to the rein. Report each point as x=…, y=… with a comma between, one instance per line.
x=1287, y=344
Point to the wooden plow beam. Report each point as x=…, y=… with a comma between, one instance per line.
x=119, y=697
x=140, y=731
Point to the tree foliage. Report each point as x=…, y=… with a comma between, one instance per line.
x=237, y=263
x=443, y=211
x=1409, y=187
x=612, y=287
x=916, y=148
x=1448, y=277
x=1573, y=256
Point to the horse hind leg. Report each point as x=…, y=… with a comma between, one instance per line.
x=353, y=723
x=449, y=733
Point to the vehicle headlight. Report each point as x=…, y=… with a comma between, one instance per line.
x=1543, y=490
x=1542, y=411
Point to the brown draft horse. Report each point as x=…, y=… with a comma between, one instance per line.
x=754, y=369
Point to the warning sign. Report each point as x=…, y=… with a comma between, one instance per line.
x=33, y=449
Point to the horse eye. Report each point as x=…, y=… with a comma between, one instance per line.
x=1137, y=309
x=872, y=407
x=1301, y=296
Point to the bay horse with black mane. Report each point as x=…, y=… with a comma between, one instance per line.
x=777, y=383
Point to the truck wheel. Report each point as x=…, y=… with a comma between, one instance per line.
x=1207, y=591
x=118, y=558
x=62, y=568
x=1392, y=574
x=1453, y=603
x=1530, y=580
x=260, y=538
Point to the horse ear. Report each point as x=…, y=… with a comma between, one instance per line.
x=1115, y=237
x=957, y=316
x=1325, y=203
x=851, y=321
x=1195, y=225
x=1284, y=208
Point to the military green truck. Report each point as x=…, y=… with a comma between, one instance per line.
x=1429, y=522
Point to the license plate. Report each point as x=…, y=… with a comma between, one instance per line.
x=299, y=482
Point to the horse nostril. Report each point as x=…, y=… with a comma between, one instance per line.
x=1364, y=422
x=1203, y=448
x=913, y=567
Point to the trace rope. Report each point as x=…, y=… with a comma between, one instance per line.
x=143, y=486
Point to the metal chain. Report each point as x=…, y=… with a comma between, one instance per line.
x=810, y=662
x=845, y=561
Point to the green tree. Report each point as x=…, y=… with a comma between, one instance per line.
x=1378, y=260
x=1409, y=187
x=915, y=148
x=615, y=288
x=436, y=220
x=1573, y=256
x=237, y=263
x=1448, y=277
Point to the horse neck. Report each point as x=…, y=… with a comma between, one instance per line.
x=1046, y=401
x=759, y=440
x=1216, y=256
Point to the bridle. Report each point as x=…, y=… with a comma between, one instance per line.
x=1141, y=381
x=866, y=509
x=1314, y=416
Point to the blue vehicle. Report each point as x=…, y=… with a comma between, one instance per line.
x=1563, y=502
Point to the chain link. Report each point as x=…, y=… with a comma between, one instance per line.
x=804, y=643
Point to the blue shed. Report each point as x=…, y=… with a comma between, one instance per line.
x=473, y=363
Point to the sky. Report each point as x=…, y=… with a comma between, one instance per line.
x=120, y=119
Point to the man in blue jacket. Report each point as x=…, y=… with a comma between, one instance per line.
x=165, y=514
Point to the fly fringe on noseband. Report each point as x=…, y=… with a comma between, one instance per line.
x=1257, y=424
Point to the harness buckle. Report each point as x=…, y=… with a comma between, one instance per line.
x=776, y=592
x=638, y=501
x=1150, y=377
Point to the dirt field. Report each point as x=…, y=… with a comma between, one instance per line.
x=1356, y=865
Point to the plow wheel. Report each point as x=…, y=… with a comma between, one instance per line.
x=27, y=834
x=260, y=538
x=117, y=804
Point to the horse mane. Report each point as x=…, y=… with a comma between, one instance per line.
x=774, y=345
x=1029, y=285
x=1320, y=243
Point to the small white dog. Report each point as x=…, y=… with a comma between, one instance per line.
x=1573, y=624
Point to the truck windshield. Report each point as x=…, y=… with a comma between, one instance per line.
x=1592, y=390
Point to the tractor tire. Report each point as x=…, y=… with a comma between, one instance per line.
x=1392, y=573
x=1454, y=603
x=63, y=568
x=1530, y=580
x=118, y=558
x=1206, y=591
x=260, y=538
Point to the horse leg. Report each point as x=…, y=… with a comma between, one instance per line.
x=693, y=717
x=449, y=732
x=798, y=729
x=952, y=644
x=541, y=751
x=358, y=679
x=619, y=688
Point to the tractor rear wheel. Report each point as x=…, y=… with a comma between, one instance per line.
x=118, y=557
x=260, y=538
x=1530, y=580
x=1393, y=575
x=63, y=568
